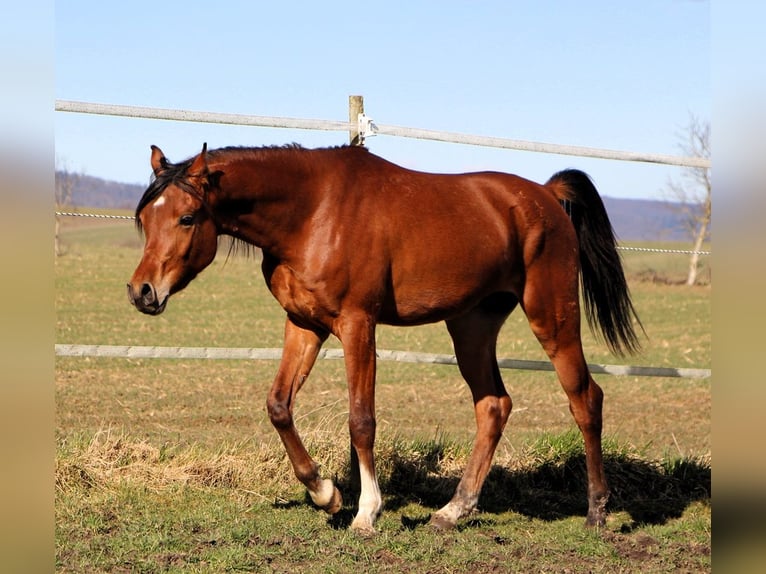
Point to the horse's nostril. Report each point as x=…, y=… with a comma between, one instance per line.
x=145, y=299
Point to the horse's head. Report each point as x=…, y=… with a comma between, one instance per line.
x=181, y=235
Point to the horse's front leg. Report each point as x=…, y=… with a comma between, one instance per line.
x=300, y=352
x=358, y=338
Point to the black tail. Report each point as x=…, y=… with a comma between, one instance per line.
x=605, y=290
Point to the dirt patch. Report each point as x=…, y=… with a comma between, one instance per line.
x=683, y=557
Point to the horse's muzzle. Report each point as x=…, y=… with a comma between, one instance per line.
x=146, y=300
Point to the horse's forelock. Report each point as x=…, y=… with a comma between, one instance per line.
x=173, y=173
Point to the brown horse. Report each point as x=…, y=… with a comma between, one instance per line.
x=351, y=240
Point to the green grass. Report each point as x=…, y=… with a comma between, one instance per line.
x=166, y=465
x=129, y=504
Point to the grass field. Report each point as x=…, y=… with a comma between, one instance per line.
x=168, y=465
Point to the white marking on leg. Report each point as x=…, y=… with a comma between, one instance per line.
x=454, y=510
x=370, y=501
x=323, y=494
x=451, y=512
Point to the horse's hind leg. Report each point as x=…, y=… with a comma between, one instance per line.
x=300, y=352
x=553, y=311
x=474, y=336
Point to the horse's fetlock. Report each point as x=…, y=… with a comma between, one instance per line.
x=307, y=474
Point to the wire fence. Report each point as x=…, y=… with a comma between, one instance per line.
x=623, y=247
x=93, y=215
x=365, y=127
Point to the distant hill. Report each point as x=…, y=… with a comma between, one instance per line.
x=632, y=219
x=89, y=191
x=646, y=220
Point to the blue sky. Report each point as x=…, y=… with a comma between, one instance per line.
x=618, y=75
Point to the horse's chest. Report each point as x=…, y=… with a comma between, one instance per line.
x=300, y=297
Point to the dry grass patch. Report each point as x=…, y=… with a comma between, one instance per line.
x=547, y=481
x=109, y=459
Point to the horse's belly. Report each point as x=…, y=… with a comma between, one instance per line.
x=435, y=301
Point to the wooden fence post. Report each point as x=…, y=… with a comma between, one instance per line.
x=355, y=107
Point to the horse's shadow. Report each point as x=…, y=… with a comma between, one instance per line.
x=650, y=492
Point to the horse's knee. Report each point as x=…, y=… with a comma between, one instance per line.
x=494, y=412
x=585, y=395
x=595, y=396
x=362, y=429
x=498, y=410
x=279, y=413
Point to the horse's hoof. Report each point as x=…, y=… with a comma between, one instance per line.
x=335, y=504
x=365, y=532
x=596, y=517
x=363, y=529
x=599, y=523
x=441, y=523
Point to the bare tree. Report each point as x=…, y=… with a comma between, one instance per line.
x=65, y=181
x=694, y=191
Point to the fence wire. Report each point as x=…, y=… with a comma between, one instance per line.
x=647, y=249
x=95, y=215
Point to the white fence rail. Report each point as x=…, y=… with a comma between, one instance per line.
x=223, y=353
x=374, y=128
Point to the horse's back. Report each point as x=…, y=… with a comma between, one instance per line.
x=450, y=240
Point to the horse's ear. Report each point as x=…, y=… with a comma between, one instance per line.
x=198, y=168
x=159, y=161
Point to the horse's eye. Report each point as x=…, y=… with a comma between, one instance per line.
x=186, y=220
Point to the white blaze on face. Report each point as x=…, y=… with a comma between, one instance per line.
x=159, y=202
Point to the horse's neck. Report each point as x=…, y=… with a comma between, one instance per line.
x=264, y=201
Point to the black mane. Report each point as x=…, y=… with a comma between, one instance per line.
x=175, y=173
